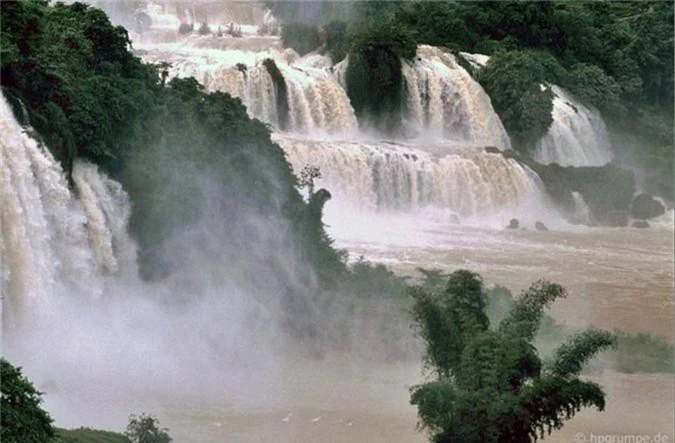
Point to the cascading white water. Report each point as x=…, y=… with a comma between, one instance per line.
x=316, y=102
x=385, y=176
x=582, y=213
x=445, y=102
x=53, y=241
x=577, y=137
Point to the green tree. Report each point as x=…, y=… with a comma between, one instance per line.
x=491, y=385
x=23, y=419
x=374, y=77
x=145, y=429
x=518, y=85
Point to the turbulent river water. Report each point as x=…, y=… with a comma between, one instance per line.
x=435, y=198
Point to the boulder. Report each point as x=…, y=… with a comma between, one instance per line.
x=539, y=226
x=645, y=206
x=640, y=224
x=513, y=224
x=186, y=28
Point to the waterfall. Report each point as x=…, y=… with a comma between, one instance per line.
x=445, y=102
x=442, y=100
x=380, y=176
x=582, y=213
x=577, y=137
x=448, y=116
x=54, y=240
x=316, y=101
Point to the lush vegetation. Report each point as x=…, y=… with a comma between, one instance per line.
x=86, y=435
x=374, y=77
x=515, y=82
x=88, y=96
x=490, y=383
x=642, y=353
x=23, y=419
x=84, y=92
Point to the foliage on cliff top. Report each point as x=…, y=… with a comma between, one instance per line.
x=374, y=77
x=83, y=90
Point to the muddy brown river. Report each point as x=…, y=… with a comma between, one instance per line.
x=616, y=278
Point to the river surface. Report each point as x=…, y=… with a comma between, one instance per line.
x=616, y=278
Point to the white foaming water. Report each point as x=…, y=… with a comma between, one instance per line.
x=382, y=176
x=582, y=213
x=577, y=137
x=316, y=102
x=71, y=296
x=53, y=242
x=444, y=102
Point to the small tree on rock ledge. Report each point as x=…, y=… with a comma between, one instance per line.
x=307, y=176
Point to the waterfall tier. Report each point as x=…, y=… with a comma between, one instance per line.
x=381, y=176
x=55, y=241
x=315, y=100
x=577, y=137
x=445, y=102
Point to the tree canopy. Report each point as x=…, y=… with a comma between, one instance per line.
x=490, y=384
x=23, y=419
x=145, y=429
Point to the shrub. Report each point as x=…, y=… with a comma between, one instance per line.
x=23, y=419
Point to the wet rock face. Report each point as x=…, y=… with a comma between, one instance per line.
x=645, y=206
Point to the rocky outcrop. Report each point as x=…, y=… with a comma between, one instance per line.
x=644, y=207
x=539, y=226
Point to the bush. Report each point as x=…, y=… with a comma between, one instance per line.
x=517, y=83
x=84, y=91
x=145, y=429
x=374, y=77
x=23, y=420
x=590, y=84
